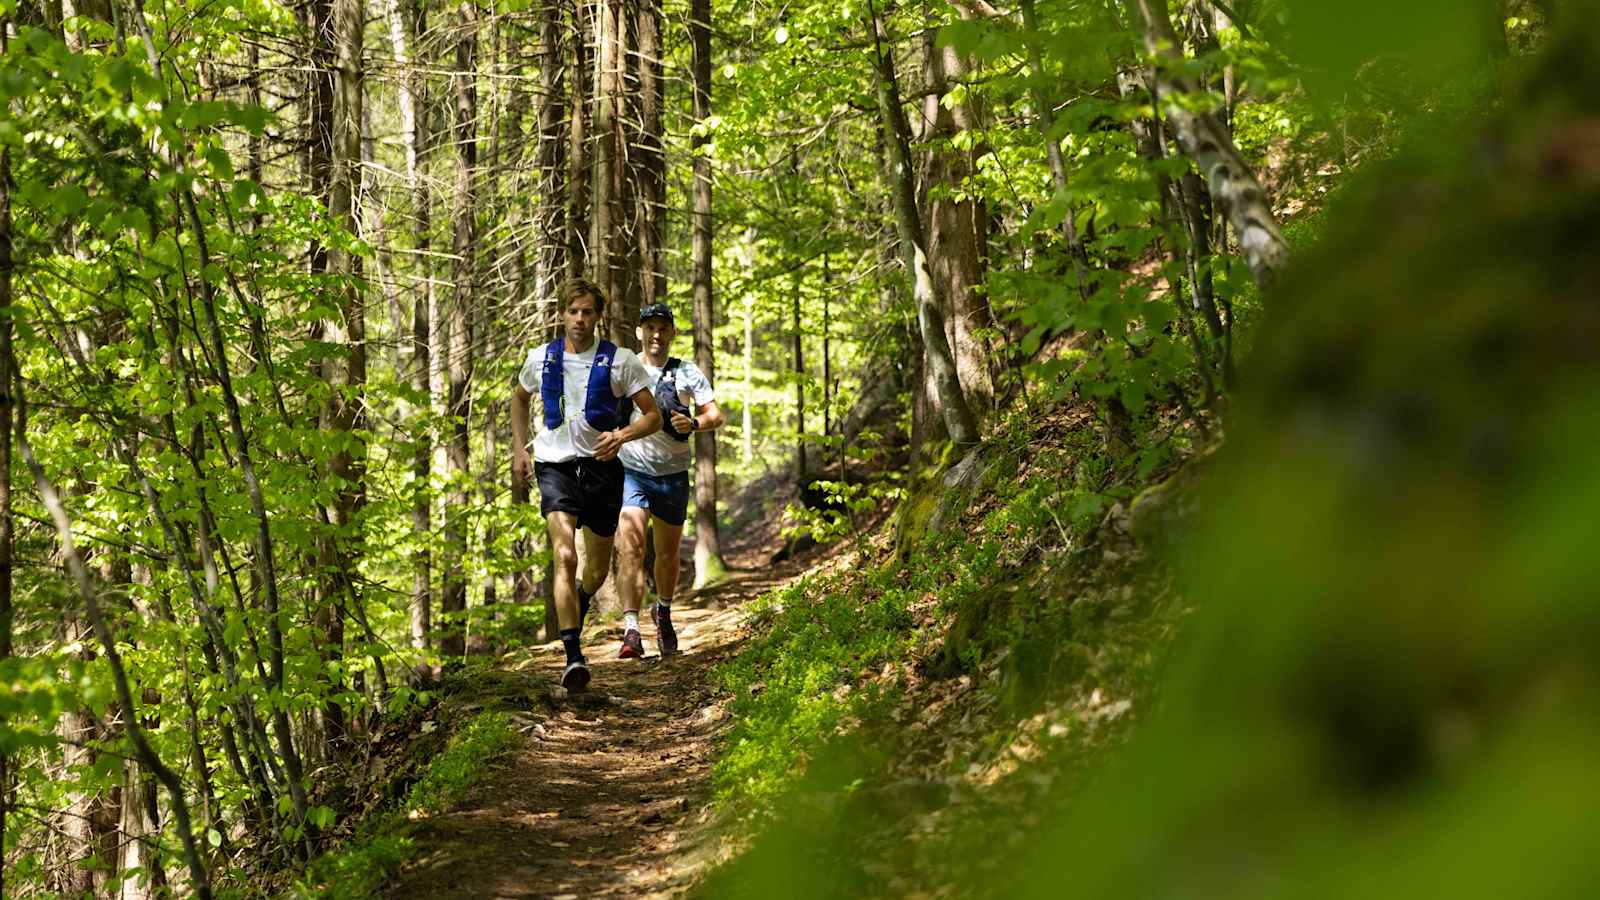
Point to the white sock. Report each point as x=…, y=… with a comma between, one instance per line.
x=630, y=621
x=664, y=602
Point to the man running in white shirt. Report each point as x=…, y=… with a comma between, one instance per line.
x=584, y=385
x=656, y=480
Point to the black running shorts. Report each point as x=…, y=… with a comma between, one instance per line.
x=586, y=487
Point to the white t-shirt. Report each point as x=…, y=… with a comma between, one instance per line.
x=661, y=453
x=575, y=436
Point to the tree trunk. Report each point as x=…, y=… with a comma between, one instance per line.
x=1233, y=185
x=708, y=563
x=649, y=163
x=799, y=385
x=580, y=159
x=6, y=615
x=959, y=421
x=201, y=883
x=747, y=445
x=551, y=260
x=339, y=38
x=463, y=302
x=407, y=23
x=141, y=834
x=1044, y=104
x=957, y=225
x=554, y=252
x=609, y=240
x=479, y=642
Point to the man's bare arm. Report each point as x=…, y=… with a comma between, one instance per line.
x=520, y=464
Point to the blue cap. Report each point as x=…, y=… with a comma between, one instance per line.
x=657, y=311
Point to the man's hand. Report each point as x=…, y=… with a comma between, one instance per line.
x=521, y=467
x=682, y=423
x=609, y=444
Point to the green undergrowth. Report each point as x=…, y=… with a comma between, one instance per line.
x=381, y=843
x=1015, y=594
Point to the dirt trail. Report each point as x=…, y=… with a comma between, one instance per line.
x=603, y=793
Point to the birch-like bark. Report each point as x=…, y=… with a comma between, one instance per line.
x=1233, y=184
x=958, y=223
x=407, y=24
x=959, y=421
x=463, y=302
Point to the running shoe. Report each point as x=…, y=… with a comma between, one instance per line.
x=632, y=646
x=666, y=635
x=576, y=676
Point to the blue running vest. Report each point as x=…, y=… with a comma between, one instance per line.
x=600, y=407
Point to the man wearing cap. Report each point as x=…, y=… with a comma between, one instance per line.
x=656, y=480
x=585, y=386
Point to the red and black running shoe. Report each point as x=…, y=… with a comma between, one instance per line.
x=632, y=646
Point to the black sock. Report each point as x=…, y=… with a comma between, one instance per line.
x=569, y=641
x=664, y=607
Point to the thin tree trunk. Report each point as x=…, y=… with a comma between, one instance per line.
x=201, y=881
x=799, y=384
x=406, y=36
x=1058, y=165
x=747, y=445
x=959, y=421
x=552, y=254
x=649, y=160
x=551, y=258
x=708, y=563
x=1233, y=185
x=607, y=241
x=340, y=38
x=266, y=566
x=478, y=640
x=462, y=306
x=586, y=14
x=7, y=265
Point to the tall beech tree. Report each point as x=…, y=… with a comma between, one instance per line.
x=463, y=301
x=959, y=421
x=708, y=564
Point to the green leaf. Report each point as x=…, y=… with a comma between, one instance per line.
x=69, y=199
x=221, y=165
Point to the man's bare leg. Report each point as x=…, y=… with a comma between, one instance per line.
x=561, y=526
x=667, y=539
x=630, y=557
x=575, y=677
x=596, y=561
x=630, y=577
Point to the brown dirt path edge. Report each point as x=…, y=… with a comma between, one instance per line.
x=606, y=790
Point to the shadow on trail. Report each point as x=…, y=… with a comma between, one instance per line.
x=602, y=794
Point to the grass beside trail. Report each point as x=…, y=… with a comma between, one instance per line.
x=381, y=844
x=868, y=696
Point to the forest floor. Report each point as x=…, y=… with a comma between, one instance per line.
x=607, y=791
